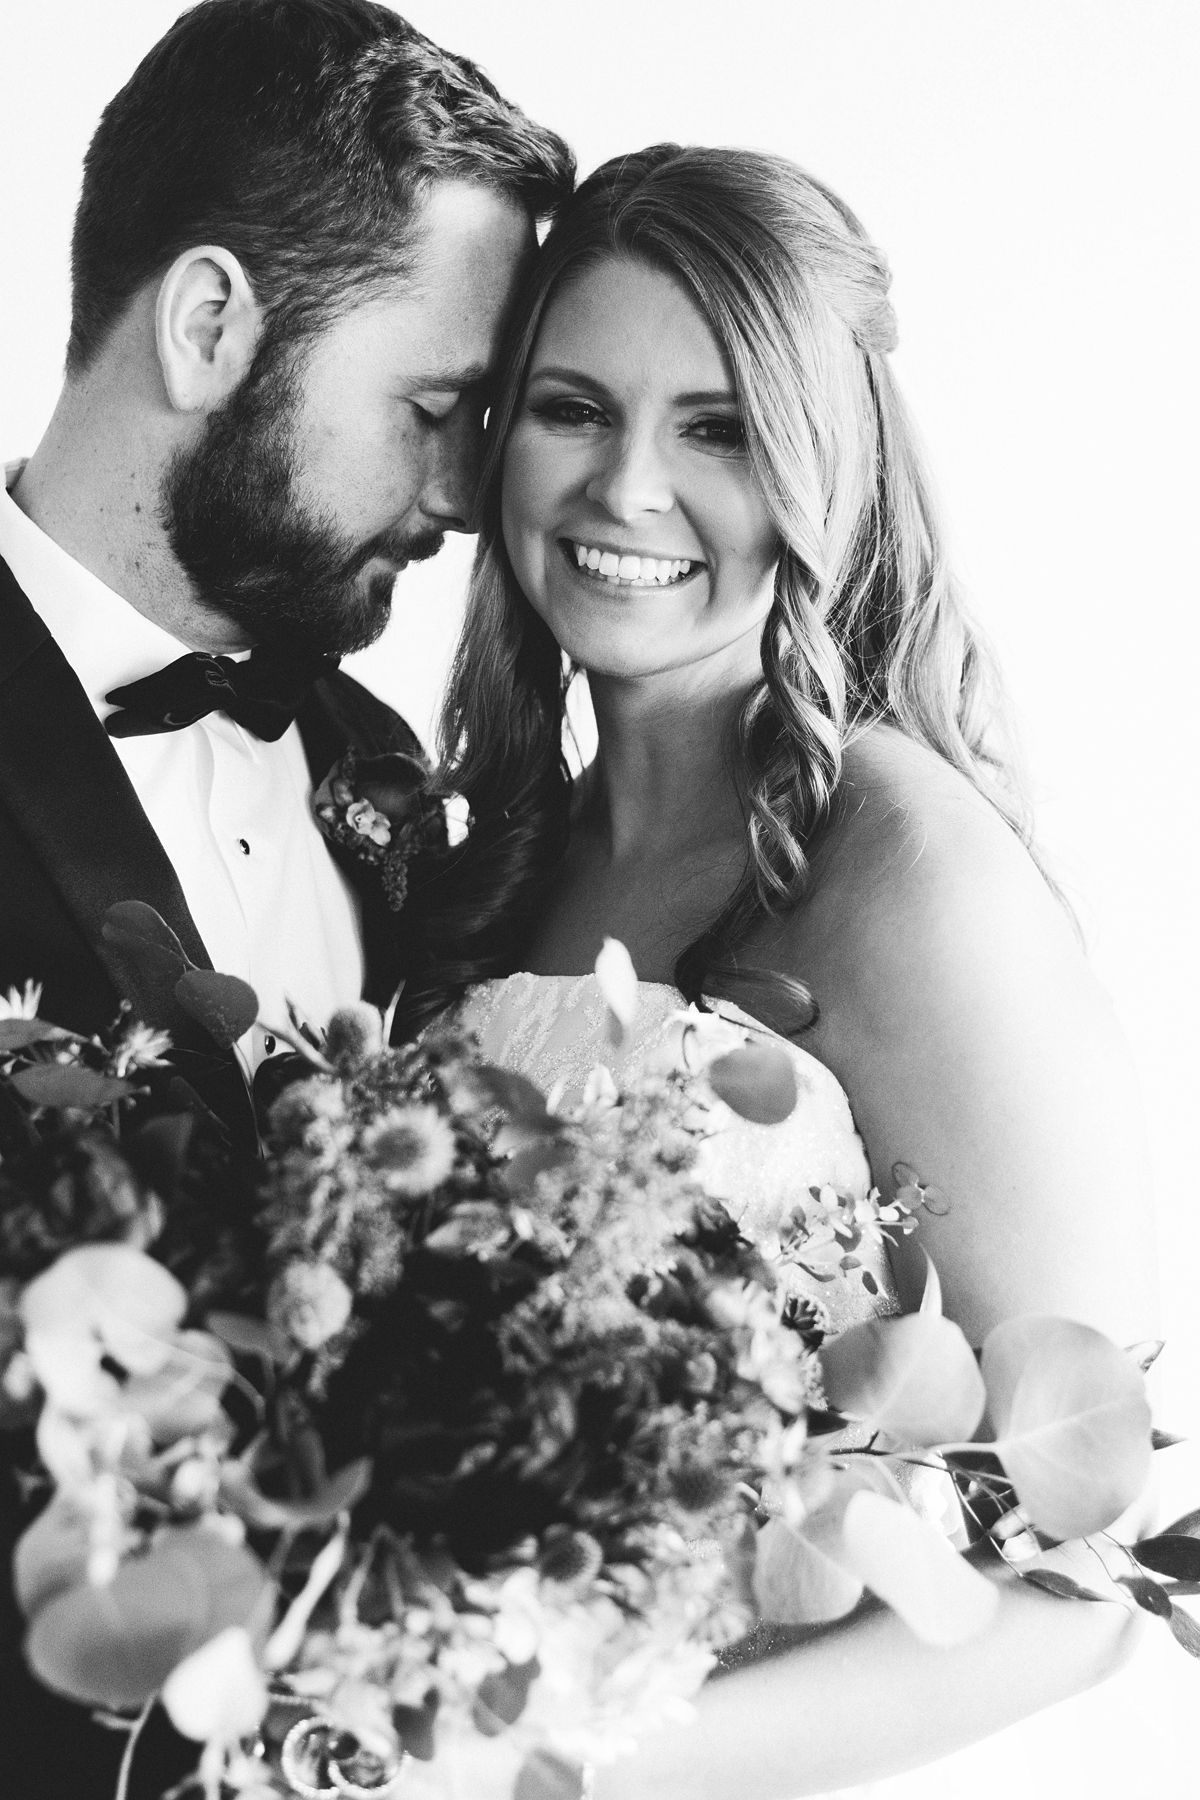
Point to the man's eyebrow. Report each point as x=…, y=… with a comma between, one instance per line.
x=468, y=375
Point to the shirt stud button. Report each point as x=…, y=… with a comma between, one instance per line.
x=243, y=846
x=269, y=1044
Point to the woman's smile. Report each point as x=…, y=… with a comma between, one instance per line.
x=624, y=568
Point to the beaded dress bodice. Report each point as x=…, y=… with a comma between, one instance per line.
x=553, y=1029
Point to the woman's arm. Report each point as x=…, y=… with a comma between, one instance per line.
x=863, y=1699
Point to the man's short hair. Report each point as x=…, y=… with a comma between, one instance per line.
x=299, y=135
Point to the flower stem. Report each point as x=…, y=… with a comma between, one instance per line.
x=135, y=1732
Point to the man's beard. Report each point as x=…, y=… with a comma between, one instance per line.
x=253, y=552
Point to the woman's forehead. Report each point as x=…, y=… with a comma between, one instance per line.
x=622, y=318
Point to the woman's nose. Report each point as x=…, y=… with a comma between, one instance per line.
x=632, y=479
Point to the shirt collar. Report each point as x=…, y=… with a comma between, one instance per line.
x=106, y=641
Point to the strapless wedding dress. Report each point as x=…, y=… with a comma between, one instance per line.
x=553, y=1029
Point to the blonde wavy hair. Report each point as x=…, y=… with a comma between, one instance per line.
x=867, y=624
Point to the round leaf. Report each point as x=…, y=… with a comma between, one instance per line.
x=1071, y=1419
x=914, y=1377
x=915, y=1570
x=758, y=1081
x=226, y=1006
x=183, y=1396
x=51, y=1556
x=68, y=1084
x=544, y=1776
x=115, y=1645
x=796, y=1583
x=111, y=1291
x=19, y=1034
x=217, y=1694
x=145, y=936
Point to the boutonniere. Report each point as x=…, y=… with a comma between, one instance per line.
x=382, y=810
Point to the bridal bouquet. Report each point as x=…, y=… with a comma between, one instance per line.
x=453, y=1471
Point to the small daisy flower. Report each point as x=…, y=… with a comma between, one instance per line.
x=413, y=1147
x=140, y=1047
x=18, y=1005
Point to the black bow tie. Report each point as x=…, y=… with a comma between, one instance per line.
x=263, y=694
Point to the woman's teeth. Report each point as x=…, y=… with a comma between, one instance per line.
x=644, y=571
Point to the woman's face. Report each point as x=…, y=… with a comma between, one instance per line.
x=630, y=513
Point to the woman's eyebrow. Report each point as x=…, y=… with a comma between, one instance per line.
x=570, y=377
x=723, y=396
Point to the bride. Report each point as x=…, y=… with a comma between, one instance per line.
x=703, y=490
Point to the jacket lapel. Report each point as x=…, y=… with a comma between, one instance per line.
x=68, y=792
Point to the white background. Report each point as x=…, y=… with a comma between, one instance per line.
x=1030, y=170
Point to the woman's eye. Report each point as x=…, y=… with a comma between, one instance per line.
x=721, y=431
x=567, y=412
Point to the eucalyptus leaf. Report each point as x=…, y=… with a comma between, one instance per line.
x=520, y=1172
x=1063, y=1585
x=1187, y=1526
x=1148, y=1594
x=144, y=935
x=796, y=1583
x=225, y=1005
x=182, y=1397
x=758, y=1081
x=913, y=1376
x=1176, y=1555
x=69, y=1085
x=413, y=1725
x=544, y=1776
x=114, y=1645
x=516, y=1096
x=251, y=1337
x=52, y=1555
x=1164, y=1440
x=1185, y=1630
x=1071, y=1419
x=501, y=1698
x=1146, y=1353
x=340, y=1493
x=19, y=1034
x=914, y=1568
x=158, y=1151
x=130, y=1301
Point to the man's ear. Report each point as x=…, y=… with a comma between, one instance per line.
x=207, y=324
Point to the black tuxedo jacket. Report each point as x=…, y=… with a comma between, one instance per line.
x=73, y=840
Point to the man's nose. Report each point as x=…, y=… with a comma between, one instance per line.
x=632, y=478
x=451, y=489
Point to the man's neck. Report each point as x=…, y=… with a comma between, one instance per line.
x=92, y=485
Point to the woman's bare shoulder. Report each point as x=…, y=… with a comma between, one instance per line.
x=918, y=863
x=958, y=1010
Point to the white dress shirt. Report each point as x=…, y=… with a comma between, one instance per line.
x=232, y=813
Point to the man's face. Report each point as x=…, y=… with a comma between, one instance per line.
x=342, y=459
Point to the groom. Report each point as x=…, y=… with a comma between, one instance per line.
x=300, y=226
